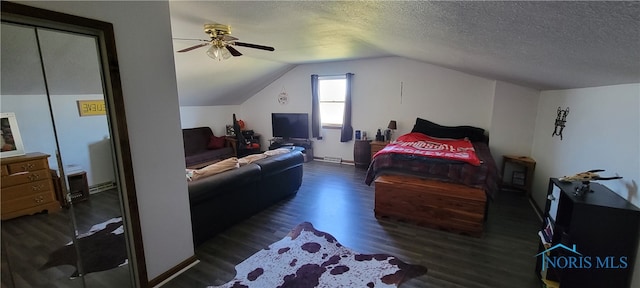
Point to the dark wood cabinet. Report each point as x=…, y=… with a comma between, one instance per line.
x=361, y=153
x=253, y=145
x=78, y=186
x=592, y=239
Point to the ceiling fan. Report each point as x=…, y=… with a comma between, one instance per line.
x=221, y=43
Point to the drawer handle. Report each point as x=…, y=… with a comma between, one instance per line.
x=39, y=199
x=33, y=177
x=27, y=166
x=37, y=187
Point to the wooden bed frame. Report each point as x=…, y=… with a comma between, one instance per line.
x=446, y=206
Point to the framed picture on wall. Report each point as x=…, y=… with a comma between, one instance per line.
x=11, y=140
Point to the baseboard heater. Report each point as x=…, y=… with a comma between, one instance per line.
x=102, y=187
x=332, y=159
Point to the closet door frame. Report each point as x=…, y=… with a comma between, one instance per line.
x=22, y=14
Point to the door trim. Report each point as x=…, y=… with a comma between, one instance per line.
x=18, y=13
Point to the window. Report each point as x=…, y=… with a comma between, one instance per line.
x=332, y=91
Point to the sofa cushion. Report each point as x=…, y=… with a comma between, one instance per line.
x=213, y=169
x=208, y=155
x=216, y=142
x=279, y=163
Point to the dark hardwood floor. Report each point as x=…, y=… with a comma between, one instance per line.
x=27, y=242
x=335, y=199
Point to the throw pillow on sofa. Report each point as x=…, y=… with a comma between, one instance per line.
x=218, y=167
x=216, y=142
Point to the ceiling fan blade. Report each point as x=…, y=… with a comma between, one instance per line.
x=191, y=39
x=193, y=47
x=233, y=51
x=228, y=38
x=254, y=46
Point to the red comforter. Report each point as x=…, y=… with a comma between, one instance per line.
x=418, y=144
x=483, y=176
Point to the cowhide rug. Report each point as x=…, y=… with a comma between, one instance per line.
x=307, y=257
x=101, y=248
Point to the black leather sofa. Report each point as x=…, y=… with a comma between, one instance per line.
x=222, y=200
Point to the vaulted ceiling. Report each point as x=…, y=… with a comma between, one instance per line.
x=543, y=45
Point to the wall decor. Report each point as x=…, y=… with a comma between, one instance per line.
x=11, y=140
x=561, y=119
x=283, y=98
x=91, y=107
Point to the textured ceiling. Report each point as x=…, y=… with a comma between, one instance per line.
x=543, y=45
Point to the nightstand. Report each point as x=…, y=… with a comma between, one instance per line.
x=377, y=146
x=521, y=178
x=362, y=153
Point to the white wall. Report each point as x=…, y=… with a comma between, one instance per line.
x=215, y=117
x=429, y=92
x=602, y=132
x=153, y=118
x=84, y=141
x=513, y=120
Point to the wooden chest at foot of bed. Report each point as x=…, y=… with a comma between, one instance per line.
x=446, y=206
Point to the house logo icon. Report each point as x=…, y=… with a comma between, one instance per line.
x=572, y=259
x=559, y=261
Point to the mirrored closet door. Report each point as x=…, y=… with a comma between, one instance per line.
x=53, y=87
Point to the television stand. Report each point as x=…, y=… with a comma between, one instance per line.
x=303, y=145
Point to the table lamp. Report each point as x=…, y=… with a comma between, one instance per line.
x=393, y=125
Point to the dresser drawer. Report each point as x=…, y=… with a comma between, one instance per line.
x=25, y=177
x=23, y=190
x=31, y=165
x=5, y=170
x=26, y=202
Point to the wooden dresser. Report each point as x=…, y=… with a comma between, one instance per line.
x=377, y=146
x=27, y=187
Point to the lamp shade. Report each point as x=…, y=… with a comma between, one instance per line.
x=218, y=52
x=393, y=125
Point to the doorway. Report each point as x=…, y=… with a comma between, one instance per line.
x=68, y=106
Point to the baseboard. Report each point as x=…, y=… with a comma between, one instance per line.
x=535, y=208
x=337, y=160
x=348, y=162
x=102, y=187
x=173, y=272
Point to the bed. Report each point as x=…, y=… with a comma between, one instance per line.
x=430, y=185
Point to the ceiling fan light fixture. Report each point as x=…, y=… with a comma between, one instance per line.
x=218, y=52
x=221, y=43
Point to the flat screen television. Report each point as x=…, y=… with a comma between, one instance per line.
x=290, y=125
